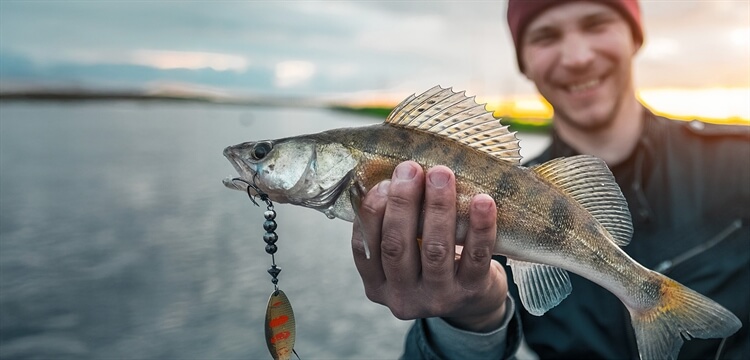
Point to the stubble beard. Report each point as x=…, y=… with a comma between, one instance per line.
x=591, y=125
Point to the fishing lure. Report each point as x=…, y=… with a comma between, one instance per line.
x=280, y=326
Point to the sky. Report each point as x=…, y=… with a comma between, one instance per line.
x=696, y=55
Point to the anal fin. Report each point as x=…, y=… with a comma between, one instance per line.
x=540, y=287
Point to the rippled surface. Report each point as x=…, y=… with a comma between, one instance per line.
x=118, y=240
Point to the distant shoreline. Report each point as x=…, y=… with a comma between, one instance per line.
x=516, y=124
x=64, y=96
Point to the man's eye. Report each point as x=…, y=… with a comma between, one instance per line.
x=260, y=150
x=542, y=38
x=595, y=25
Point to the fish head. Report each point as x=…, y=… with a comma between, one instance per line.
x=299, y=170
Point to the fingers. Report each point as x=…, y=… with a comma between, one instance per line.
x=480, y=241
x=369, y=225
x=438, y=236
x=414, y=283
x=399, y=252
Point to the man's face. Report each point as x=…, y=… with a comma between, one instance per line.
x=579, y=55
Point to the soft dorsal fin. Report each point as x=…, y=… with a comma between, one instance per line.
x=587, y=179
x=454, y=115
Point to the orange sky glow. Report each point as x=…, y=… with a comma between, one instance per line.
x=717, y=104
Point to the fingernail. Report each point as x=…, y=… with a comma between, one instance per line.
x=483, y=203
x=405, y=171
x=438, y=179
x=383, y=187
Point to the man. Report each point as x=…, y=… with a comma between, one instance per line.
x=687, y=186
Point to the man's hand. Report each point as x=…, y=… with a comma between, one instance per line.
x=470, y=292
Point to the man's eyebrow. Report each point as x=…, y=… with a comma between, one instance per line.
x=542, y=29
x=597, y=16
x=584, y=19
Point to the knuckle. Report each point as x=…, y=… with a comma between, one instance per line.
x=483, y=226
x=401, y=304
x=438, y=206
x=373, y=295
x=400, y=202
x=403, y=313
x=391, y=246
x=478, y=255
x=399, y=315
x=435, y=252
x=370, y=209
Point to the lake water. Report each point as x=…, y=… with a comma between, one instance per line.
x=119, y=241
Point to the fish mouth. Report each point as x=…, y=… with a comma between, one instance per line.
x=243, y=169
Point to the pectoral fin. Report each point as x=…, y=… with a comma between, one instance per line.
x=540, y=287
x=356, y=194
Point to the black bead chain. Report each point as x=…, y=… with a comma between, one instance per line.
x=269, y=225
x=270, y=238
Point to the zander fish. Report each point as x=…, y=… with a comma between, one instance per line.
x=564, y=215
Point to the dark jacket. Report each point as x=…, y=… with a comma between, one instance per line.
x=688, y=188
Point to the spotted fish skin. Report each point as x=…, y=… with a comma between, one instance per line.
x=564, y=215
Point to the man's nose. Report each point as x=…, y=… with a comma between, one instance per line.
x=576, y=52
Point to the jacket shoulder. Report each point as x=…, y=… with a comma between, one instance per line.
x=711, y=130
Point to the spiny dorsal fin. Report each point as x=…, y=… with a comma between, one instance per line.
x=454, y=115
x=587, y=179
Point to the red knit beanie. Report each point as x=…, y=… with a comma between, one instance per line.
x=522, y=12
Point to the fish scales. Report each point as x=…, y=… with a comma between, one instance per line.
x=564, y=215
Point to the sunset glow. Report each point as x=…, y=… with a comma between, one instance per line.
x=721, y=105
x=715, y=104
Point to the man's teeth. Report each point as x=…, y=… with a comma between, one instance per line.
x=584, y=86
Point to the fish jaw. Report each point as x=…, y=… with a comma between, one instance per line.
x=246, y=172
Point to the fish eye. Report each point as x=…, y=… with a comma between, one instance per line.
x=260, y=150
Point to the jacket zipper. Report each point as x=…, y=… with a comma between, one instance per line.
x=667, y=265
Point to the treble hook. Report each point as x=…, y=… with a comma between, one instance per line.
x=259, y=193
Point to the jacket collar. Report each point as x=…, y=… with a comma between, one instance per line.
x=649, y=137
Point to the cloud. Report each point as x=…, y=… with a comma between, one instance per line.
x=346, y=46
x=740, y=37
x=162, y=59
x=293, y=73
x=660, y=48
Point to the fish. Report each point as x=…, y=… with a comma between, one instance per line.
x=565, y=215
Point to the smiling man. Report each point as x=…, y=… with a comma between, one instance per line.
x=686, y=184
x=580, y=56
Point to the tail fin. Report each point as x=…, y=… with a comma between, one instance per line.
x=680, y=313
